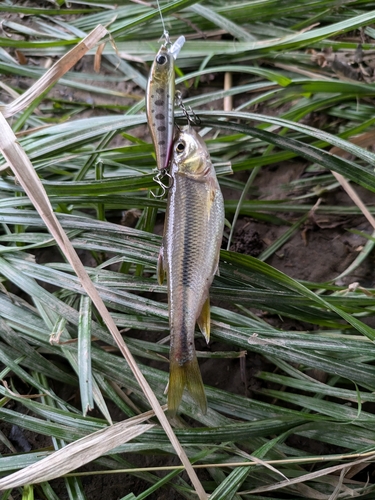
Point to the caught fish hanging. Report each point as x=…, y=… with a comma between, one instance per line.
x=160, y=95
x=189, y=257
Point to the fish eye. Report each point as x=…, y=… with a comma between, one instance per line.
x=161, y=59
x=180, y=148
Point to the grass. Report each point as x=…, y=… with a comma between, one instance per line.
x=93, y=165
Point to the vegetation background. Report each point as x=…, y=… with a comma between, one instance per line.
x=284, y=91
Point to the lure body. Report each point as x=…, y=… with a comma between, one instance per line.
x=189, y=257
x=160, y=96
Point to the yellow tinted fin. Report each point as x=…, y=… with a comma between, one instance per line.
x=188, y=375
x=160, y=268
x=211, y=194
x=204, y=320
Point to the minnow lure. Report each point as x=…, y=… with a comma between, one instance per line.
x=160, y=95
x=189, y=257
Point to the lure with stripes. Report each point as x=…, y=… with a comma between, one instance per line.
x=160, y=97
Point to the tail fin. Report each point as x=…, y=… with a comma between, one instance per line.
x=188, y=375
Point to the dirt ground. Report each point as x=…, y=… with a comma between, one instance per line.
x=323, y=247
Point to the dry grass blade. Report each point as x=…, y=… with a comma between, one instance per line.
x=306, y=477
x=354, y=196
x=25, y=173
x=228, y=100
x=55, y=72
x=265, y=463
x=364, y=140
x=339, y=485
x=78, y=453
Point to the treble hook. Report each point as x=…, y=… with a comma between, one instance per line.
x=190, y=116
x=158, y=179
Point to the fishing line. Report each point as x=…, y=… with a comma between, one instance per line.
x=165, y=32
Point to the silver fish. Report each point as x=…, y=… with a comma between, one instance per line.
x=189, y=257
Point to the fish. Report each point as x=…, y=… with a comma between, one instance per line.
x=160, y=95
x=189, y=259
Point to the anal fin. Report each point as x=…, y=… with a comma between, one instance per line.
x=204, y=320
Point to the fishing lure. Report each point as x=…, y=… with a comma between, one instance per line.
x=160, y=95
x=189, y=257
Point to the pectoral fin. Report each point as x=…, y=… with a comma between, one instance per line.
x=211, y=194
x=160, y=267
x=204, y=320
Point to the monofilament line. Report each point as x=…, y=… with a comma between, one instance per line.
x=161, y=17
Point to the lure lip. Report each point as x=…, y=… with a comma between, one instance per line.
x=175, y=49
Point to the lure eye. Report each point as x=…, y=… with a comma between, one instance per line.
x=180, y=148
x=161, y=59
